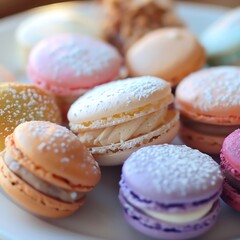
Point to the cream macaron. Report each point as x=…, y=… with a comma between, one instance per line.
x=46, y=169
x=168, y=53
x=72, y=17
x=115, y=119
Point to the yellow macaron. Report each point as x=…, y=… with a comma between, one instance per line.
x=20, y=103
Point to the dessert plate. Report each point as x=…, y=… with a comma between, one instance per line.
x=101, y=217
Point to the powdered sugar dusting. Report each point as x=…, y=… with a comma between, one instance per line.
x=173, y=168
x=212, y=88
x=117, y=96
x=83, y=56
x=20, y=103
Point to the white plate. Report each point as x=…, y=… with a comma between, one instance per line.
x=101, y=217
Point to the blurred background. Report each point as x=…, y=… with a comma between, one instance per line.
x=9, y=7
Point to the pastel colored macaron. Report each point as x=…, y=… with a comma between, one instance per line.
x=230, y=164
x=45, y=169
x=115, y=119
x=20, y=103
x=68, y=65
x=83, y=18
x=170, y=191
x=5, y=75
x=209, y=103
x=222, y=40
x=168, y=53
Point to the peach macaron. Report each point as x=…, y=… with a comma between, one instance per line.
x=209, y=103
x=168, y=53
x=20, y=103
x=68, y=65
x=115, y=119
x=45, y=169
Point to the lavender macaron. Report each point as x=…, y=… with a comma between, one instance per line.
x=170, y=191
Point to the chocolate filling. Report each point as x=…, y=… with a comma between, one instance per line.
x=39, y=184
x=210, y=129
x=233, y=182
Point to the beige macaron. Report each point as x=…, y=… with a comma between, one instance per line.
x=46, y=169
x=115, y=119
x=169, y=53
x=73, y=17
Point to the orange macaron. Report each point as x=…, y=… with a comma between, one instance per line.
x=45, y=169
x=168, y=53
x=209, y=103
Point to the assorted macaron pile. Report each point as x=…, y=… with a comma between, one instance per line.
x=166, y=191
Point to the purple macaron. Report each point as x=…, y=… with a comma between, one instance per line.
x=170, y=191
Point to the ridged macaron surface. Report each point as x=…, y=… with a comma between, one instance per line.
x=172, y=174
x=20, y=103
x=55, y=154
x=211, y=95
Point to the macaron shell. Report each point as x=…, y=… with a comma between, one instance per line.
x=20, y=103
x=73, y=62
x=117, y=97
x=163, y=53
x=205, y=143
x=231, y=196
x=163, y=230
x=230, y=149
x=33, y=200
x=153, y=172
x=42, y=148
x=211, y=95
x=222, y=37
x=118, y=153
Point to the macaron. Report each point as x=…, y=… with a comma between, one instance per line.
x=222, y=40
x=5, y=75
x=20, y=103
x=168, y=53
x=230, y=164
x=82, y=18
x=209, y=103
x=115, y=119
x=68, y=65
x=170, y=191
x=46, y=170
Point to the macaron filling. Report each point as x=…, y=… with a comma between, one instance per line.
x=143, y=203
x=39, y=184
x=125, y=131
x=209, y=129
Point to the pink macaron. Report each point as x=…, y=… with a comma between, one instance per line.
x=68, y=65
x=230, y=164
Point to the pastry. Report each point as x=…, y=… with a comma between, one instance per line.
x=170, y=191
x=209, y=103
x=222, y=40
x=20, y=103
x=230, y=164
x=45, y=169
x=115, y=119
x=168, y=53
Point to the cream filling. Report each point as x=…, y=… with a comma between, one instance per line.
x=124, y=131
x=37, y=183
x=181, y=218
